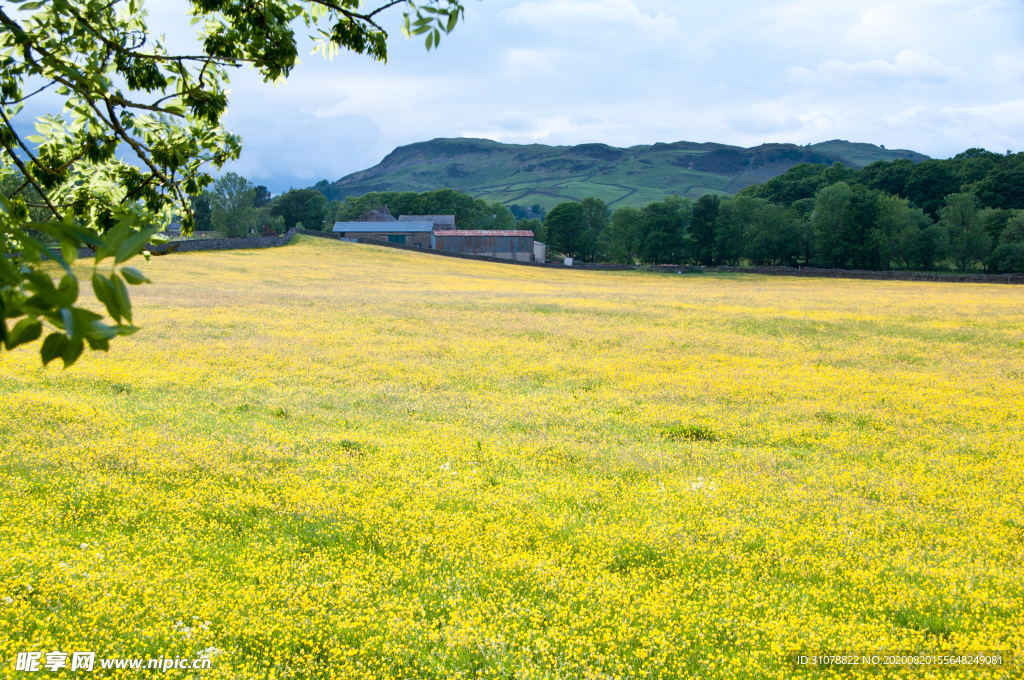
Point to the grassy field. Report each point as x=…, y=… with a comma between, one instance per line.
x=340, y=461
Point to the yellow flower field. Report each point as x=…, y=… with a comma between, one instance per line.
x=332, y=460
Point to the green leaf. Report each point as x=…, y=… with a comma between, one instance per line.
x=98, y=344
x=24, y=331
x=68, y=320
x=68, y=290
x=133, y=276
x=53, y=347
x=124, y=302
x=134, y=244
x=106, y=294
x=113, y=239
x=101, y=331
x=72, y=352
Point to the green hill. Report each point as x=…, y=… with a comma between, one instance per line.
x=547, y=175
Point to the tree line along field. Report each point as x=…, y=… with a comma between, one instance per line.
x=385, y=464
x=959, y=214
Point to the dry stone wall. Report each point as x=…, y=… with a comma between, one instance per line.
x=286, y=238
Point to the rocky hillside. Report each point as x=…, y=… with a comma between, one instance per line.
x=546, y=175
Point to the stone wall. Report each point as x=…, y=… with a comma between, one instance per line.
x=274, y=241
x=882, y=276
x=223, y=244
x=770, y=271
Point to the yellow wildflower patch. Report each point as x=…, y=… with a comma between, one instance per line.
x=333, y=460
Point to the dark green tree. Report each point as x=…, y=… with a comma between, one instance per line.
x=536, y=226
x=729, y=231
x=565, y=226
x=929, y=184
x=888, y=176
x=1008, y=256
x=1004, y=186
x=231, y=202
x=702, y=228
x=261, y=196
x=201, y=211
x=831, y=218
x=308, y=206
x=662, y=233
x=965, y=237
x=798, y=183
x=623, y=236
x=771, y=234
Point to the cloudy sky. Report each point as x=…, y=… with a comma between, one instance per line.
x=935, y=76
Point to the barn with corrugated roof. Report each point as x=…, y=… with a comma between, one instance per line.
x=418, y=234
x=505, y=244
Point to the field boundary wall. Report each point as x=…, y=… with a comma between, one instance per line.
x=286, y=238
x=769, y=271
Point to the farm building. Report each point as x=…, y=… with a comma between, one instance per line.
x=417, y=234
x=510, y=245
x=381, y=214
x=380, y=224
x=444, y=222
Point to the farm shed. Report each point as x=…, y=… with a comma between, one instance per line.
x=417, y=234
x=511, y=245
x=444, y=222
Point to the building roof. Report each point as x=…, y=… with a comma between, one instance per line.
x=381, y=214
x=384, y=227
x=436, y=219
x=483, y=232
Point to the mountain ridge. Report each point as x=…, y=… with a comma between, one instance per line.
x=530, y=174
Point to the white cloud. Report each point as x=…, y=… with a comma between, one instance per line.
x=594, y=18
x=936, y=76
x=909, y=66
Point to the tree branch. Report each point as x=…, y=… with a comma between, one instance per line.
x=28, y=96
x=21, y=166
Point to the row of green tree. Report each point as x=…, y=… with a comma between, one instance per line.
x=234, y=206
x=995, y=180
x=821, y=216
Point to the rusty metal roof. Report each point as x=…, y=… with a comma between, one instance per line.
x=482, y=232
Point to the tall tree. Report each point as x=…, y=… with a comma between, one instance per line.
x=231, y=202
x=122, y=89
x=662, y=233
x=623, y=237
x=729, y=231
x=595, y=214
x=965, y=236
x=702, y=228
x=201, y=210
x=772, y=233
x=831, y=218
x=536, y=226
x=307, y=206
x=261, y=196
x=1009, y=254
x=929, y=183
x=565, y=225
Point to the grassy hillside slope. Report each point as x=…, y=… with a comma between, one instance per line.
x=332, y=460
x=536, y=173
